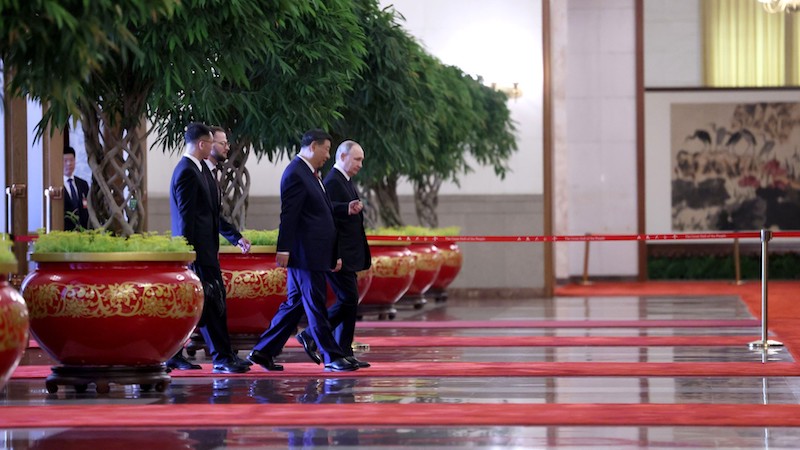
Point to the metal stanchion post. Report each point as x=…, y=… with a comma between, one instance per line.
x=737, y=263
x=764, y=344
x=585, y=280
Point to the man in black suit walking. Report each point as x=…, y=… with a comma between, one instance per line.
x=353, y=249
x=194, y=208
x=307, y=248
x=76, y=212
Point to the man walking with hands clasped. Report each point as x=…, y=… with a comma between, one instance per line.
x=307, y=248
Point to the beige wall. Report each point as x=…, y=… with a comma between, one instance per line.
x=504, y=267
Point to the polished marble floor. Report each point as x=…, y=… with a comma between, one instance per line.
x=328, y=388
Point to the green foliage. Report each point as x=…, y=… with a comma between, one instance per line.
x=98, y=241
x=782, y=266
x=54, y=46
x=284, y=73
x=389, y=112
x=6, y=255
x=411, y=230
x=257, y=237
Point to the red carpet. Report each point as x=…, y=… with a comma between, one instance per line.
x=398, y=415
x=783, y=299
x=497, y=369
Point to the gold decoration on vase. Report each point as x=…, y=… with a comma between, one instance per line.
x=166, y=301
x=452, y=258
x=393, y=266
x=429, y=262
x=254, y=284
x=13, y=326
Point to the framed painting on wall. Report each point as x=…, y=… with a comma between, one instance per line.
x=722, y=160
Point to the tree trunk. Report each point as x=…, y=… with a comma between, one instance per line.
x=370, y=207
x=116, y=158
x=389, y=206
x=235, y=185
x=426, y=200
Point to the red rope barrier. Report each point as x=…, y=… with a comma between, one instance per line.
x=590, y=237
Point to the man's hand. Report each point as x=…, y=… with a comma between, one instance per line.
x=354, y=207
x=282, y=258
x=244, y=244
x=338, y=265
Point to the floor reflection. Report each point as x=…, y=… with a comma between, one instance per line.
x=327, y=388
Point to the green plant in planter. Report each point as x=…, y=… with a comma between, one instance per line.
x=99, y=241
x=410, y=230
x=256, y=237
x=6, y=255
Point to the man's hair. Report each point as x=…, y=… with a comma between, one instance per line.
x=316, y=135
x=216, y=129
x=69, y=151
x=195, y=131
x=344, y=147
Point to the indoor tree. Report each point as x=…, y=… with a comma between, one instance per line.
x=301, y=83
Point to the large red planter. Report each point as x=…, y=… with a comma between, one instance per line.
x=429, y=263
x=255, y=288
x=452, y=260
x=393, y=269
x=13, y=326
x=363, y=280
x=112, y=309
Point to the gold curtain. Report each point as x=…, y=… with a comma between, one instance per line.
x=745, y=46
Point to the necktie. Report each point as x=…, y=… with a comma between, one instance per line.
x=208, y=180
x=72, y=191
x=318, y=175
x=215, y=172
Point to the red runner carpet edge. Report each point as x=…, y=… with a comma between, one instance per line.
x=783, y=299
x=559, y=324
x=493, y=369
x=542, y=341
x=398, y=415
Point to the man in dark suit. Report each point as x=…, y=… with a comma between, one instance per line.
x=194, y=208
x=218, y=155
x=353, y=249
x=76, y=212
x=307, y=248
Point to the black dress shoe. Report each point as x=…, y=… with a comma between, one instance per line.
x=242, y=361
x=181, y=363
x=229, y=367
x=264, y=360
x=309, y=346
x=340, y=365
x=361, y=364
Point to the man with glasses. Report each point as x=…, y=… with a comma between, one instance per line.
x=194, y=209
x=218, y=155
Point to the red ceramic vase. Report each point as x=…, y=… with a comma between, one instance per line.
x=255, y=287
x=428, y=263
x=393, y=269
x=110, y=309
x=452, y=260
x=363, y=280
x=13, y=326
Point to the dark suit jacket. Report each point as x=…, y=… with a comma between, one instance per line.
x=352, y=240
x=307, y=230
x=194, y=210
x=76, y=206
